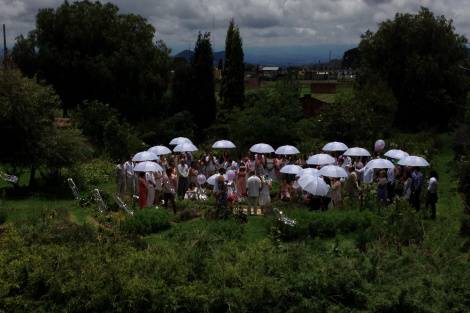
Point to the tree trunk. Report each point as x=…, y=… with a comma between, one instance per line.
x=32, y=175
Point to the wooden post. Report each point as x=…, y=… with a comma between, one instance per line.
x=5, y=51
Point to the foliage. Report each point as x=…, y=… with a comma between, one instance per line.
x=232, y=90
x=358, y=115
x=92, y=174
x=28, y=132
x=264, y=111
x=88, y=50
x=203, y=106
x=102, y=125
x=402, y=225
x=351, y=59
x=418, y=56
x=146, y=221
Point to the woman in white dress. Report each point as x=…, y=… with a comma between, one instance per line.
x=265, y=196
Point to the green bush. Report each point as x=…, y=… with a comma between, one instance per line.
x=92, y=174
x=329, y=224
x=146, y=221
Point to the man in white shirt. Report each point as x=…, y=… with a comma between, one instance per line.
x=253, y=187
x=431, y=196
x=151, y=183
x=183, y=180
x=130, y=177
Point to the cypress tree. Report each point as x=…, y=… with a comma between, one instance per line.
x=232, y=89
x=203, y=106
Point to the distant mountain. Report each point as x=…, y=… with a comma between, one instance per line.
x=188, y=54
x=284, y=55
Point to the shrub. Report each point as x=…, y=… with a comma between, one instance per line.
x=329, y=224
x=3, y=215
x=92, y=174
x=146, y=221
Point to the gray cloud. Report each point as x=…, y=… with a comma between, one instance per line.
x=262, y=22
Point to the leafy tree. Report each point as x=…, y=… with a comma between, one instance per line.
x=87, y=50
x=104, y=128
x=233, y=85
x=358, y=115
x=181, y=87
x=203, y=106
x=351, y=59
x=419, y=57
x=27, y=130
x=264, y=112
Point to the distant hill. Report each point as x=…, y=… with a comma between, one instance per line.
x=188, y=54
x=284, y=55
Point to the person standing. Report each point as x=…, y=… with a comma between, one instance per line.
x=253, y=186
x=151, y=184
x=382, y=187
x=406, y=178
x=416, y=188
x=351, y=186
x=169, y=189
x=183, y=180
x=431, y=196
x=265, y=194
x=142, y=190
x=130, y=182
x=336, y=193
x=121, y=178
x=241, y=181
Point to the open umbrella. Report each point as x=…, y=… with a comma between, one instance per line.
x=179, y=140
x=291, y=169
x=185, y=147
x=148, y=166
x=211, y=180
x=309, y=171
x=287, y=150
x=144, y=156
x=261, y=148
x=223, y=144
x=413, y=161
x=333, y=171
x=321, y=159
x=160, y=150
x=379, y=164
x=314, y=185
x=396, y=154
x=335, y=146
x=357, y=152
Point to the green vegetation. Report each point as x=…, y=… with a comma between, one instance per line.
x=369, y=260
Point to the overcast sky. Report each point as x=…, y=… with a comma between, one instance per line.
x=262, y=22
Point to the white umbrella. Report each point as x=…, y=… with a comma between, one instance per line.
x=160, y=150
x=396, y=154
x=291, y=169
x=287, y=150
x=321, y=159
x=414, y=161
x=223, y=144
x=314, y=185
x=357, y=152
x=333, y=171
x=148, y=166
x=261, y=148
x=379, y=164
x=179, y=140
x=185, y=147
x=211, y=180
x=335, y=146
x=309, y=172
x=144, y=156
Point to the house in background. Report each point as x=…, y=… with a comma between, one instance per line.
x=323, y=87
x=270, y=72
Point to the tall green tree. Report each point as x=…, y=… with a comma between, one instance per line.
x=419, y=57
x=28, y=133
x=232, y=89
x=89, y=51
x=203, y=106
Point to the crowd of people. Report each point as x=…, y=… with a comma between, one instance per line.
x=249, y=180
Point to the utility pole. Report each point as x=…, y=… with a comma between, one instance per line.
x=5, y=51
